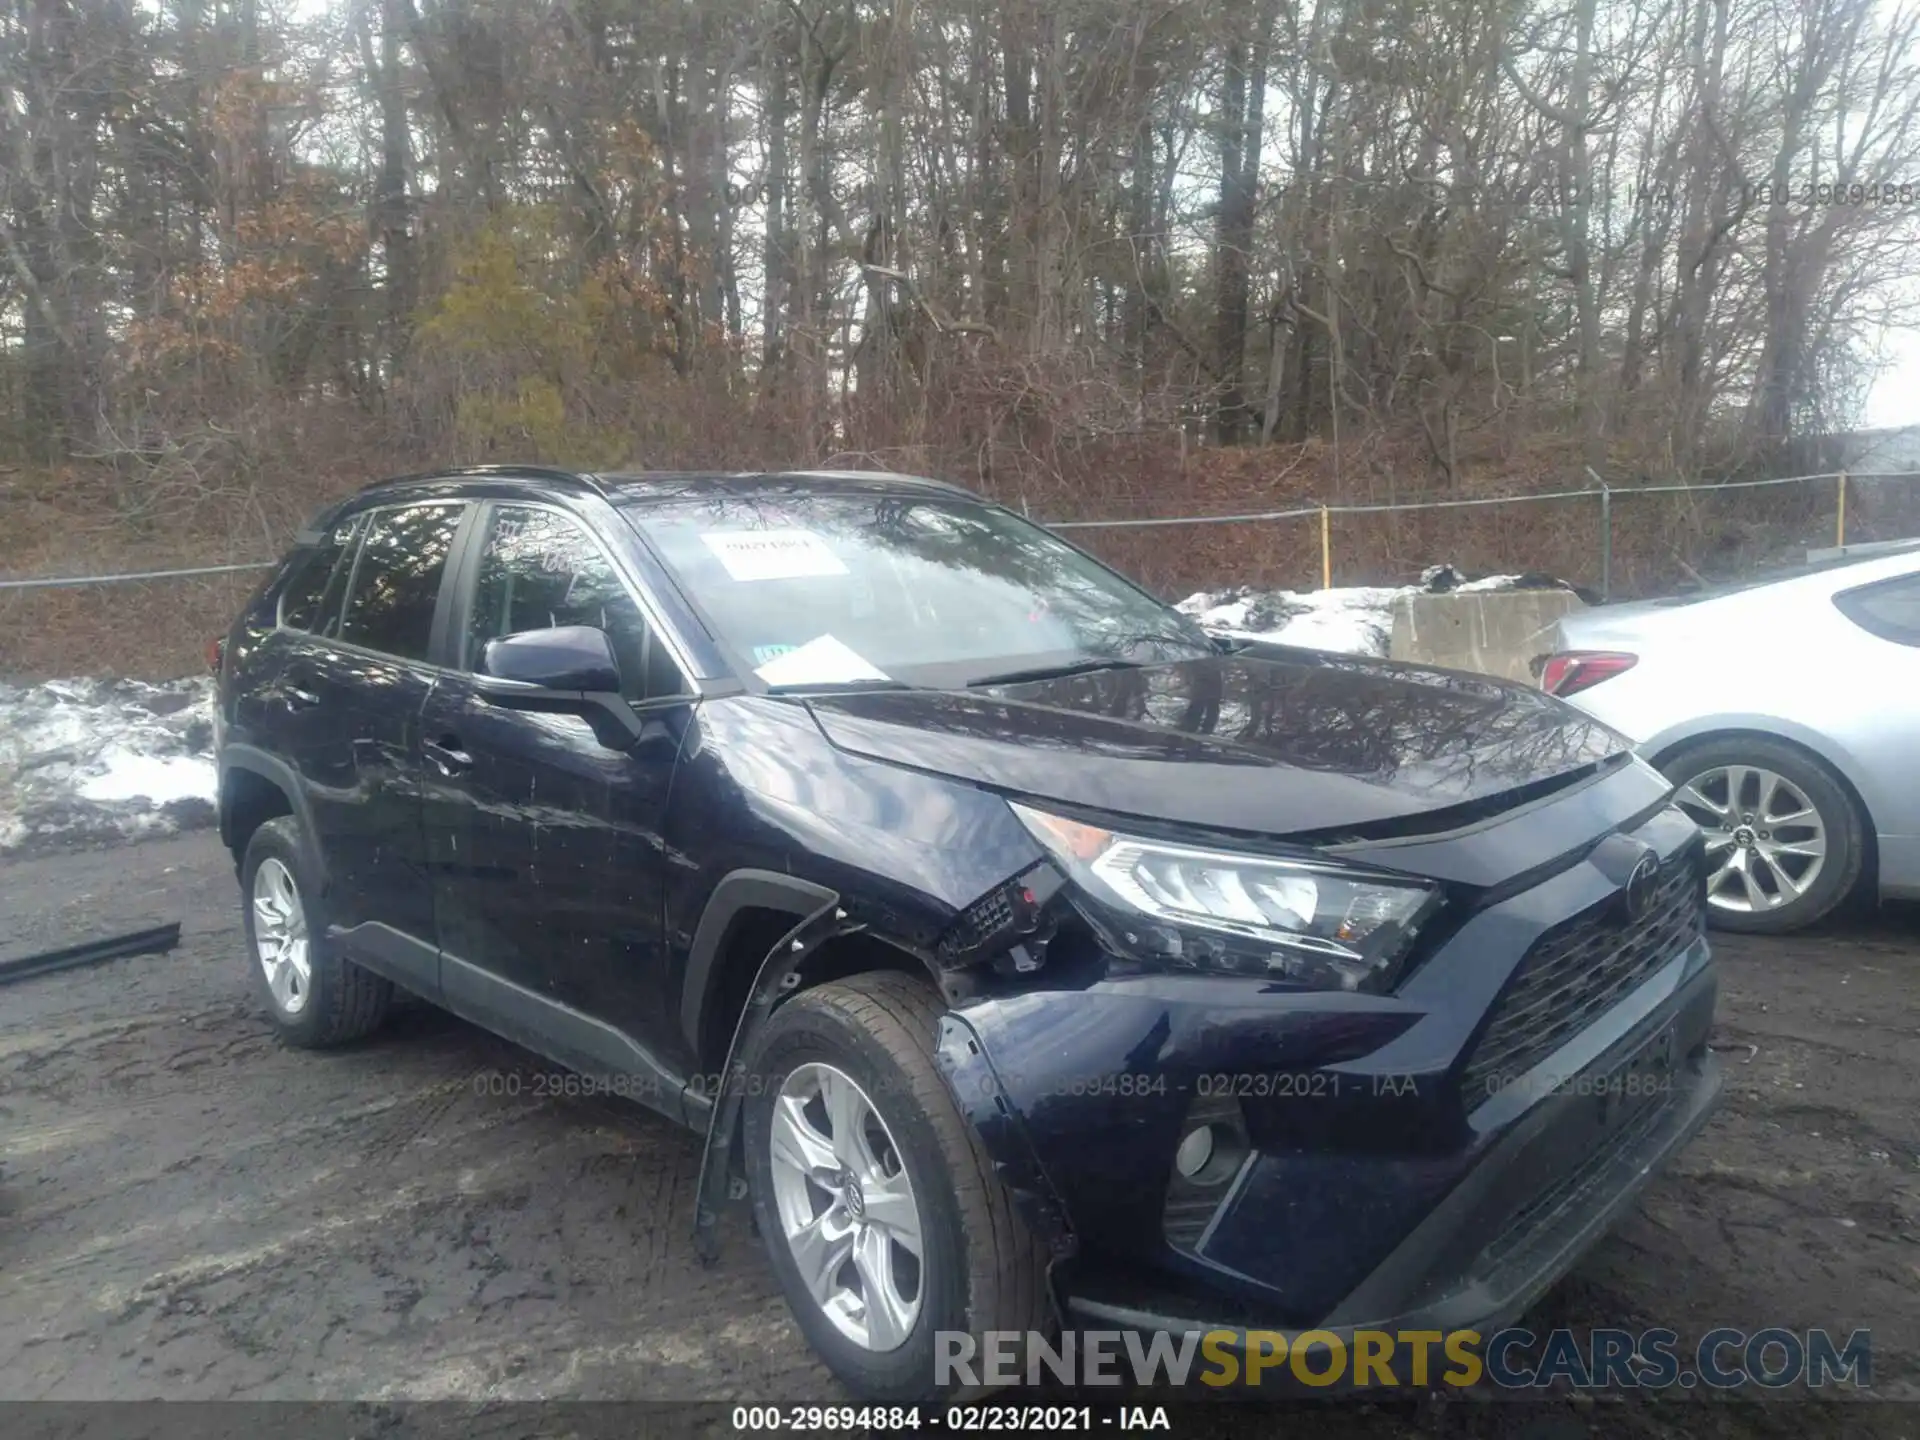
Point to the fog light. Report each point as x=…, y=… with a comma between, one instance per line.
x=1212, y=1150
x=1194, y=1152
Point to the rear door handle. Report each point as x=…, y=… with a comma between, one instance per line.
x=447, y=756
x=298, y=696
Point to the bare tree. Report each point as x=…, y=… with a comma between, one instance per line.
x=1004, y=237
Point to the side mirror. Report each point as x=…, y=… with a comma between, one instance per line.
x=565, y=670
x=577, y=659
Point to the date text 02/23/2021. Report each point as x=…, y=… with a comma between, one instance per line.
x=976, y=1419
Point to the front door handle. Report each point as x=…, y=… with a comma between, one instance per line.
x=447, y=756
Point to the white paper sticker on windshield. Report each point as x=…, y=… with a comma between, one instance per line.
x=823, y=661
x=773, y=554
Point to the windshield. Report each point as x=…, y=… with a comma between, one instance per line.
x=822, y=589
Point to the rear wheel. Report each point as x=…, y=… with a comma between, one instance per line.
x=315, y=995
x=879, y=1209
x=1785, y=842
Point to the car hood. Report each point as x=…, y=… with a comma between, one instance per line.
x=1267, y=741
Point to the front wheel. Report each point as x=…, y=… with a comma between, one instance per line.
x=879, y=1209
x=1785, y=842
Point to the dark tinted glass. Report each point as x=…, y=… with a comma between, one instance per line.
x=397, y=580
x=540, y=569
x=1890, y=610
x=319, y=575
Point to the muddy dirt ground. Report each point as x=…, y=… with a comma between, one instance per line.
x=190, y=1212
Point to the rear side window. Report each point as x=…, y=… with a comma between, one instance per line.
x=1890, y=609
x=396, y=581
x=311, y=597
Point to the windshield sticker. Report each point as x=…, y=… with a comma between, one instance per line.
x=824, y=661
x=773, y=554
x=764, y=653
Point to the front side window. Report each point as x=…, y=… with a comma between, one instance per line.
x=922, y=589
x=396, y=581
x=540, y=569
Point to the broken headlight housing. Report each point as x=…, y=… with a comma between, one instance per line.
x=1307, y=922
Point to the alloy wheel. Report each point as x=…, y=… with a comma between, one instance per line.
x=846, y=1207
x=280, y=936
x=1766, y=841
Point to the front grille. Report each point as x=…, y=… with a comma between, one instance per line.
x=1539, y=1214
x=1578, y=971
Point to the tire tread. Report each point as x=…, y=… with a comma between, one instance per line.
x=355, y=1000
x=993, y=1272
x=1006, y=1290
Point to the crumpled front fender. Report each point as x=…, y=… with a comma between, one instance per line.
x=984, y=1104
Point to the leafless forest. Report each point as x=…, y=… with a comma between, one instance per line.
x=1094, y=256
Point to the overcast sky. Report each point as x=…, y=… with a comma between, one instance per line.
x=1896, y=395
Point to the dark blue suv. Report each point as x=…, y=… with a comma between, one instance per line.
x=1026, y=955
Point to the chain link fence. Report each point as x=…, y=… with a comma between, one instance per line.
x=153, y=622
x=1599, y=493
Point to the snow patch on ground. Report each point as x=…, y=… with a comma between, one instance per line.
x=94, y=761
x=1357, y=620
x=158, y=779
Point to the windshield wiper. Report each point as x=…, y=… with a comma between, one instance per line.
x=1052, y=672
x=800, y=687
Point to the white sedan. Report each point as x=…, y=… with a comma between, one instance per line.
x=1787, y=711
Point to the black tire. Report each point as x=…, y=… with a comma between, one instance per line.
x=1839, y=816
x=342, y=1002
x=983, y=1269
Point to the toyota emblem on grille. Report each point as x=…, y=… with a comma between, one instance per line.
x=1642, y=885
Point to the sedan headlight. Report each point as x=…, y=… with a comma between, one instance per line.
x=1310, y=922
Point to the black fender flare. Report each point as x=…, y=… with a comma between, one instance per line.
x=738, y=890
x=962, y=1063
x=286, y=779
x=780, y=972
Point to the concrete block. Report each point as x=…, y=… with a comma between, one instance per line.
x=1493, y=632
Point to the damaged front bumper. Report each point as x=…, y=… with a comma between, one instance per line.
x=1382, y=1179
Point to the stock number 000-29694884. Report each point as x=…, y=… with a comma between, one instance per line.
x=954, y=1419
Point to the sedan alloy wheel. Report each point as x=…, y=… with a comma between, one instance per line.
x=1766, y=840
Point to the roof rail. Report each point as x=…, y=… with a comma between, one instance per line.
x=505, y=472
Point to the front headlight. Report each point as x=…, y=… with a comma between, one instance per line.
x=1309, y=922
